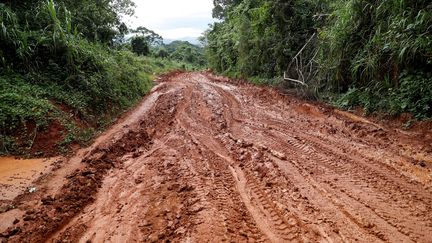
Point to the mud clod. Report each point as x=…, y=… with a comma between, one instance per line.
x=207, y=159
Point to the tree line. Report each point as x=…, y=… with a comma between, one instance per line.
x=377, y=54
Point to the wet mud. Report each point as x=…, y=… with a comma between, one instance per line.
x=204, y=159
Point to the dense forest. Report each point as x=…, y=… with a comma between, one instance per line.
x=71, y=67
x=183, y=51
x=374, y=54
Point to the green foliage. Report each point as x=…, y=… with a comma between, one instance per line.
x=368, y=98
x=381, y=52
x=99, y=20
x=414, y=96
x=222, y=7
x=121, y=80
x=259, y=37
x=96, y=20
x=162, y=53
x=17, y=106
x=149, y=36
x=375, y=54
x=182, y=51
x=48, y=65
x=375, y=40
x=140, y=46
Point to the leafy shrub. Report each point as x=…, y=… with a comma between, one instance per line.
x=140, y=46
x=17, y=106
x=369, y=99
x=413, y=96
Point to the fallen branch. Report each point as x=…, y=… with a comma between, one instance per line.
x=295, y=80
x=304, y=72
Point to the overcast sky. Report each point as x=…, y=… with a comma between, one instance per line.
x=173, y=19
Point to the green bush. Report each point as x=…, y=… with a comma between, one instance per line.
x=140, y=46
x=20, y=102
x=48, y=65
x=413, y=96
x=371, y=99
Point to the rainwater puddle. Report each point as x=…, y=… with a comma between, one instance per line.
x=16, y=175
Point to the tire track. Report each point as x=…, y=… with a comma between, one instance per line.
x=205, y=160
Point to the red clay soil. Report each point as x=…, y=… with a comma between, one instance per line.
x=203, y=159
x=46, y=142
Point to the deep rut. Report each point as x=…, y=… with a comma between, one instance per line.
x=203, y=159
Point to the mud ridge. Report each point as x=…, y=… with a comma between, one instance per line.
x=207, y=159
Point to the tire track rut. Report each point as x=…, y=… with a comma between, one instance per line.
x=207, y=159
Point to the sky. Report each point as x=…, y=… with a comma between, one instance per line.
x=173, y=19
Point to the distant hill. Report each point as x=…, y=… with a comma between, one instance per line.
x=183, y=51
x=192, y=40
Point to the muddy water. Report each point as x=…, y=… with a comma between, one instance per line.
x=16, y=175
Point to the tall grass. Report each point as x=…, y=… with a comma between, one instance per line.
x=369, y=40
x=379, y=54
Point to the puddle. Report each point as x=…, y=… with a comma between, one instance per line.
x=16, y=175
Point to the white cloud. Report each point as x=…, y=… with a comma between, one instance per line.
x=173, y=19
x=179, y=33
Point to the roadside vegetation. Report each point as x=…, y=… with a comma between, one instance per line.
x=183, y=51
x=69, y=68
x=65, y=74
x=352, y=53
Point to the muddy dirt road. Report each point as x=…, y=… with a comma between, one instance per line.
x=202, y=159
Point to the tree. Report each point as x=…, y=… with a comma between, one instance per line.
x=186, y=52
x=120, y=39
x=140, y=46
x=99, y=20
x=222, y=7
x=149, y=35
x=258, y=37
x=162, y=53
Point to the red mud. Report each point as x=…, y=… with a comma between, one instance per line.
x=202, y=159
x=47, y=141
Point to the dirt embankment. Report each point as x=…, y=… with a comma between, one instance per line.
x=203, y=159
